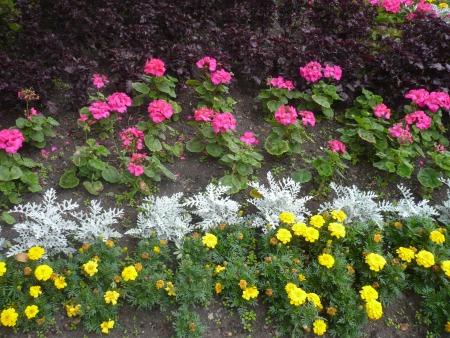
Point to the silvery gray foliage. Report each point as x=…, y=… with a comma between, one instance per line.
x=2, y=241
x=445, y=207
x=96, y=223
x=358, y=205
x=407, y=207
x=45, y=225
x=213, y=207
x=278, y=197
x=166, y=216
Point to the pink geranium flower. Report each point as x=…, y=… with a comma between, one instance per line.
x=99, y=110
x=403, y=135
x=132, y=139
x=204, y=114
x=336, y=146
x=154, y=67
x=391, y=6
x=312, y=72
x=135, y=169
x=279, y=82
x=381, y=110
x=220, y=76
x=207, y=63
x=422, y=120
x=160, y=110
x=221, y=123
x=418, y=96
x=11, y=140
x=334, y=72
x=119, y=102
x=99, y=80
x=249, y=138
x=286, y=115
x=83, y=117
x=33, y=112
x=307, y=118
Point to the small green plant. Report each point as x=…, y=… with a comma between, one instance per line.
x=187, y=323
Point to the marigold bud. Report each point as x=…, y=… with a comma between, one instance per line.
x=268, y=259
x=294, y=270
x=375, y=285
x=273, y=241
x=95, y=291
x=350, y=269
x=54, y=276
x=27, y=271
x=117, y=279
x=395, y=261
x=195, y=235
x=398, y=225
x=40, y=321
x=269, y=292
x=86, y=246
x=420, y=232
x=435, y=268
x=138, y=267
x=240, y=236
x=377, y=238
x=297, y=261
x=145, y=255
x=331, y=311
x=441, y=230
x=306, y=328
x=109, y=243
x=222, y=226
x=192, y=326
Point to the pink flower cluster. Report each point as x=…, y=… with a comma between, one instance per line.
x=11, y=140
x=99, y=110
x=307, y=118
x=160, y=110
x=204, y=114
x=381, y=110
x=99, y=80
x=403, y=135
x=134, y=167
x=207, y=63
x=220, y=76
x=221, y=123
x=286, y=115
x=132, y=139
x=116, y=102
x=279, y=82
x=422, y=120
x=391, y=6
x=336, y=146
x=154, y=67
x=312, y=72
x=433, y=101
x=33, y=112
x=249, y=138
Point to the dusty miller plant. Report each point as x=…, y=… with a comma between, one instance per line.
x=407, y=207
x=45, y=225
x=358, y=205
x=278, y=197
x=2, y=241
x=96, y=224
x=213, y=207
x=445, y=207
x=164, y=216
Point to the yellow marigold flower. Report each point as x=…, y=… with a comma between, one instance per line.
x=326, y=260
x=374, y=309
x=219, y=269
x=138, y=267
x=445, y=265
x=105, y=326
x=156, y=249
x=129, y=273
x=163, y=242
x=209, y=240
x=311, y=234
x=159, y=284
x=2, y=268
x=339, y=215
x=35, y=253
x=219, y=288
x=377, y=238
x=297, y=296
x=368, y=293
x=60, y=282
x=117, y=279
x=319, y=327
x=337, y=230
x=72, y=311
x=242, y=284
x=31, y=311
x=109, y=243
x=90, y=268
x=9, y=317
x=284, y=235
x=447, y=327
x=287, y=217
x=249, y=293
x=315, y=299
x=301, y=277
x=425, y=258
x=111, y=297
x=398, y=225
x=43, y=272
x=289, y=287
x=405, y=254
x=170, y=289
x=443, y=5
x=35, y=291
x=375, y=262
x=437, y=237
x=299, y=229
x=317, y=220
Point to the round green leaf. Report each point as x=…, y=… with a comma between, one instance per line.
x=152, y=143
x=93, y=188
x=214, y=149
x=429, y=178
x=302, y=176
x=68, y=179
x=111, y=175
x=275, y=145
x=195, y=145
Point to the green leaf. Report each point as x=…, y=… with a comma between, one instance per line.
x=97, y=164
x=328, y=112
x=177, y=149
x=256, y=194
x=8, y=218
x=152, y=143
x=209, y=85
x=404, y=170
x=214, y=149
x=195, y=145
x=275, y=145
x=193, y=82
x=302, y=176
x=429, y=178
x=164, y=87
x=4, y=173
x=232, y=182
x=321, y=101
x=111, y=175
x=21, y=122
x=140, y=87
x=200, y=90
x=93, y=188
x=390, y=166
x=15, y=173
x=244, y=169
x=69, y=179
x=37, y=136
x=273, y=105
x=137, y=100
x=366, y=135
x=325, y=170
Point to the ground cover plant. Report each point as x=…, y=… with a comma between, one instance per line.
x=316, y=118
